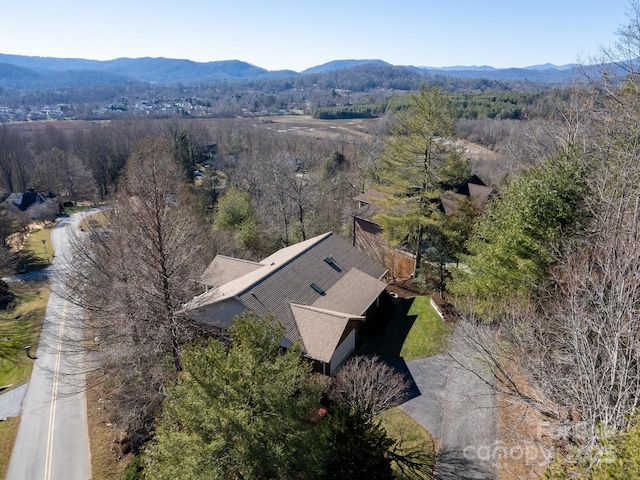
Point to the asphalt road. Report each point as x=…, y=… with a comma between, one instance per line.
x=53, y=439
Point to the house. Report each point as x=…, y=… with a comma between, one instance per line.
x=24, y=200
x=322, y=290
x=367, y=237
x=367, y=234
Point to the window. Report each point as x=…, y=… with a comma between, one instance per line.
x=333, y=264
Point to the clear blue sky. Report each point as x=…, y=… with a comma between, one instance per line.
x=298, y=34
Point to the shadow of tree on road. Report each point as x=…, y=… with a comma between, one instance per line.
x=461, y=465
x=401, y=366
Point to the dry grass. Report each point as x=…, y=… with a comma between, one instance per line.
x=107, y=460
x=8, y=432
x=92, y=222
x=524, y=435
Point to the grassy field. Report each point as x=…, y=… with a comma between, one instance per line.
x=8, y=432
x=20, y=326
x=414, y=331
x=37, y=252
x=409, y=434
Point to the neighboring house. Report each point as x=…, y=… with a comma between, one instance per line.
x=367, y=236
x=400, y=263
x=23, y=201
x=322, y=290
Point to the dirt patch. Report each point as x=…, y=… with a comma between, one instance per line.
x=109, y=451
x=16, y=241
x=406, y=289
x=524, y=440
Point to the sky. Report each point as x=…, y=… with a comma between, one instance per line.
x=299, y=34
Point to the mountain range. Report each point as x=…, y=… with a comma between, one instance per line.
x=31, y=73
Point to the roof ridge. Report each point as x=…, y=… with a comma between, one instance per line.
x=287, y=261
x=326, y=311
x=239, y=259
x=266, y=268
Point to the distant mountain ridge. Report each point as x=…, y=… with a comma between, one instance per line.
x=341, y=65
x=26, y=72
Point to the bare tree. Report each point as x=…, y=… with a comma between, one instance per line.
x=368, y=384
x=135, y=270
x=574, y=354
x=14, y=156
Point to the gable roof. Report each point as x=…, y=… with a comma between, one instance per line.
x=325, y=272
x=26, y=199
x=479, y=194
x=450, y=201
x=473, y=188
x=320, y=330
x=224, y=269
x=353, y=293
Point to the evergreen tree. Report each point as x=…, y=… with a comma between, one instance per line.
x=240, y=412
x=420, y=157
x=515, y=242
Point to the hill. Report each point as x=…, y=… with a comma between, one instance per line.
x=32, y=73
x=341, y=65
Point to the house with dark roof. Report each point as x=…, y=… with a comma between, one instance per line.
x=24, y=200
x=322, y=290
x=368, y=234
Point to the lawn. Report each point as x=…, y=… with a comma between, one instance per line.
x=414, y=331
x=410, y=436
x=19, y=327
x=8, y=432
x=37, y=251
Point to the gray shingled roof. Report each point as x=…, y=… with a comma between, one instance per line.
x=224, y=269
x=353, y=293
x=349, y=279
x=320, y=330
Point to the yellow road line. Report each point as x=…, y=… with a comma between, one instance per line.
x=54, y=398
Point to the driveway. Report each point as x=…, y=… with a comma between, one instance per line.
x=11, y=401
x=457, y=406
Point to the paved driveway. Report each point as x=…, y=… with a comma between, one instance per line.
x=430, y=378
x=11, y=401
x=458, y=408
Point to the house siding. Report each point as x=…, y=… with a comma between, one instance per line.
x=347, y=346
x=368, y=238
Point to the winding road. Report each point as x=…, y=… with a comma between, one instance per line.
x=53, y=439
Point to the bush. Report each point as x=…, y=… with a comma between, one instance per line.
x=133, y=470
